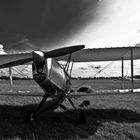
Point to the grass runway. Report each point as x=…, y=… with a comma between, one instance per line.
x=108, y=117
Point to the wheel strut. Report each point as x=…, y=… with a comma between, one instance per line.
x=31, y=114
x=81, y=114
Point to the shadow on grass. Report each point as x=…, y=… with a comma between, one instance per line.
x=55, y=125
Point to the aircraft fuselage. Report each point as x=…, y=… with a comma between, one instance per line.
x=51, y=76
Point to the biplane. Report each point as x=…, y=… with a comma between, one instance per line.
x=36, y=21
x=51, y=76
x=54, y=78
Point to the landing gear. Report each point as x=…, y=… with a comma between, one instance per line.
x=53, y=104
x=80, y=113
x=31, y=114
x=50, y=105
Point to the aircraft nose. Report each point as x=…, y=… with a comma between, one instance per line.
x=38, y=57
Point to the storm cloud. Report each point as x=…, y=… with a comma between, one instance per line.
x=44, y=22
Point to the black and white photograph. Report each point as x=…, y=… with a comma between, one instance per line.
x=70, y=69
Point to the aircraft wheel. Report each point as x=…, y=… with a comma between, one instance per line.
x=30, y=116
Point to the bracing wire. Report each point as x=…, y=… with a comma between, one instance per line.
x=19, y=72
x=97, y=72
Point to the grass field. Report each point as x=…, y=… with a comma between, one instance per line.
x=108, y=117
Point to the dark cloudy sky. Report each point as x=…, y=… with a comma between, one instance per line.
x=33, y=24
x=44, y=22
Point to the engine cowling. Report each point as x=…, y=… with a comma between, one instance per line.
x=38, y=66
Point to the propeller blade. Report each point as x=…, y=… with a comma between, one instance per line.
x=53, y=53
x=16, y=63
x=63, y=51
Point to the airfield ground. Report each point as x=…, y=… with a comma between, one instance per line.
x=115, y=117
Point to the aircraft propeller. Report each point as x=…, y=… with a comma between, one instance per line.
x=36, y=55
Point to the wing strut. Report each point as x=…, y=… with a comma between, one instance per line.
x=68, y=63
x=71, y=67
x=122, y=73
x=132, y=69
x=11, y=78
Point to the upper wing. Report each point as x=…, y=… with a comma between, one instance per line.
x=104, y=54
